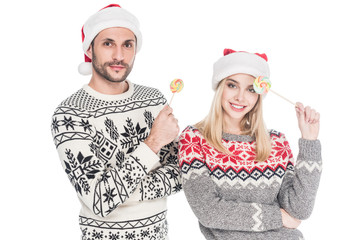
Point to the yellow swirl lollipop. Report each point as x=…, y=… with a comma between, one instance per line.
x=262, y=85
x=176, y=86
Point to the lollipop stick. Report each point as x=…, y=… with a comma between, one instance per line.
x=171, y=99
x=283, y=97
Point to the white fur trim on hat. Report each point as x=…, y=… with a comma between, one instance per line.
x=108, y=17
x=239, y=62
x=85, y=68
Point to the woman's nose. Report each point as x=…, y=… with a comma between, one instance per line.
x=239, y=95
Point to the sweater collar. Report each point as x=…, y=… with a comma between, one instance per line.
x=237, y=138
x=109, y=97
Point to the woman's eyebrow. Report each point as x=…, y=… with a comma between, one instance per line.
x=232, y=80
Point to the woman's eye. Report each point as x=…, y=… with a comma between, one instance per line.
x=230, y=85
x=252, y=90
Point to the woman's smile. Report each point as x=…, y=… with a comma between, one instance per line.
x=237, y=108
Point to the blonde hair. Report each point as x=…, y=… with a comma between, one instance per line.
x=211, y=127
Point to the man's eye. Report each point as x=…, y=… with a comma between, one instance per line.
x=108, y=44
x=128, y=45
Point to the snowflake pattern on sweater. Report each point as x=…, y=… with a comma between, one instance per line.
x=122, y=185
x=235, y=197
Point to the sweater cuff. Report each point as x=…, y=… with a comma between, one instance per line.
x=309, y=149
x=146, y=157
x=273, y=216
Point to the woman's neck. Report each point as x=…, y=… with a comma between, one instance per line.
x=232, y=127
x=232, y=131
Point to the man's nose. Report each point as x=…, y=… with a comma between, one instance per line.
x=118, y=54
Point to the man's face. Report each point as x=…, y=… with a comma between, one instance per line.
x=113, y=53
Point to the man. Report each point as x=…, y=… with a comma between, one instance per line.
x=115, y=138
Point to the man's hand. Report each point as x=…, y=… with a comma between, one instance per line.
x=164, y=130
x=289, y=221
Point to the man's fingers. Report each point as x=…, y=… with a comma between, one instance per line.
x=167, y=110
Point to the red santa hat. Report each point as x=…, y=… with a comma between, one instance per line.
x=110, y=16
x=233, y=62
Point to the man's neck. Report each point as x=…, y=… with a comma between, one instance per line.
x=106, y=87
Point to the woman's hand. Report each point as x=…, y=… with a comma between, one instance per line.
x=289, y=221
x=309, y=121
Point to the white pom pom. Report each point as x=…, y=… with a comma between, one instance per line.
x=85, y=68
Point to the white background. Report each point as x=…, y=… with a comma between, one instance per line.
x=313, y=50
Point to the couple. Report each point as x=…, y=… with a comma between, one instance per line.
x=116, y=143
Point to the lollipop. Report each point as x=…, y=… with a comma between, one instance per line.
x=263, y=84
x=176, y=86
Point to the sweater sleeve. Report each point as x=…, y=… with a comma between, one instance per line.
x=84, y=155
x=206, y=201
x=300, y=184
x=165, y=180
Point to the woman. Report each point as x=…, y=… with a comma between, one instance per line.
x=240, y=179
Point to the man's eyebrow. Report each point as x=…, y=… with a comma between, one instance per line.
x=129, y=41
x=108, y=40
x=112, y=40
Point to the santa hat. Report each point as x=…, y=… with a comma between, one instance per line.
x=233, y=62
x=110, y=16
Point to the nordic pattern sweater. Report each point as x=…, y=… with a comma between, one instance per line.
x=121, y=183
x=236, y=197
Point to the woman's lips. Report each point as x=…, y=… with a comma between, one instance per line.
x=237, y=108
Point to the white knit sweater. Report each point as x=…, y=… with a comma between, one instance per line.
x=121, y=184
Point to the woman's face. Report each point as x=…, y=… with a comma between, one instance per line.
x=238, y=98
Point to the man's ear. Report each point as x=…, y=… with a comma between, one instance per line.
x=89, y=52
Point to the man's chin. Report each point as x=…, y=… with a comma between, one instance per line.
x=114, y=80
x=116, y=77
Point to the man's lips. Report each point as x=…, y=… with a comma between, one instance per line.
x=116, y=67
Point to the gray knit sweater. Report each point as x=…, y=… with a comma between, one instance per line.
x=236, y=197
